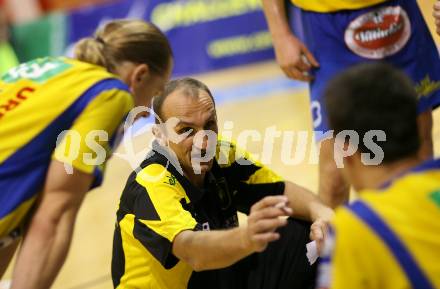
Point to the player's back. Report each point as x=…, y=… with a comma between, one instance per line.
x=39, y=100
x=392, y=236
x=34, y=94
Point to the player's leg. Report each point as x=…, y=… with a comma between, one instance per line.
x=420, y=60
x=6, y=254
x=333, y=189
x=425, y=124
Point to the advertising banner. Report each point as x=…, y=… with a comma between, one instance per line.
x=205, y=34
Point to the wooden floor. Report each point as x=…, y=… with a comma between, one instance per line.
x=88, y=263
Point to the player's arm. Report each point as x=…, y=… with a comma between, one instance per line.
x=292, y=55
x=49, y=235
x=436, y=14
x=47, y=240
x=307, y=206
x=205, y=250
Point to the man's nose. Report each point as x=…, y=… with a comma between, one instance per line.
x=203, y=145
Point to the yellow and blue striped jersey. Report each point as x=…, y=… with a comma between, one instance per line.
x=39, y=100
x=389, y=238
x=158, y=203
x=334, y=5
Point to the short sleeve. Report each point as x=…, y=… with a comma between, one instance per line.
x=250, y=179
x=159, y=212
x=88, y=144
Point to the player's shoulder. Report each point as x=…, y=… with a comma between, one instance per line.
x=157, y=175
x=350, y=220
x=95, y=76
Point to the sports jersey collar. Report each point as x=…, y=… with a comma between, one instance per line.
x=165, y=157
x=432, y=164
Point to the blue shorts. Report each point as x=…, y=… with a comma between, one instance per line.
x=393, y=31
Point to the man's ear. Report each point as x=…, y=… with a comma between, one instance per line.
x=349, y=160
x=140, y=73
x=159, y=134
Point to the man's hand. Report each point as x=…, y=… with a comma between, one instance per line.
x=263, y=220
x=436, y=14
x=294, y=58
x=318, y=233
x=292, y=55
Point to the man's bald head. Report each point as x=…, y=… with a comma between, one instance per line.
x=189, y=86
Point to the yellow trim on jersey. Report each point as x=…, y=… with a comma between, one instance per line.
x=263, y=175
x=166, y=198
x=324, y=6
x=14, y=219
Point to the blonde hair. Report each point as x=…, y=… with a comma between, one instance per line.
x=126, y=40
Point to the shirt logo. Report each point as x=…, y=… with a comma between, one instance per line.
x=427, y=86
x=38, y=70
x=379, y=33
x=14, y=102
x=435, y=197
x=171, y=180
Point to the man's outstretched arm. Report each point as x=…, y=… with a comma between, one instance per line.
x=206, y=250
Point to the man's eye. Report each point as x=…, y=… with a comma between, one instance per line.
x=184, y=130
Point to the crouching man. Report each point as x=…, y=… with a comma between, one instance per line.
x=177, y=224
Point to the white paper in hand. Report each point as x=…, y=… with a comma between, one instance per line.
x=5, y=284
x=312, y=252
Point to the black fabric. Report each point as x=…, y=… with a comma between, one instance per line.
x=118, y=258
x=143, y=208
x=283, y=265
x=249, y=194
x=237, y=172
x=157, y=245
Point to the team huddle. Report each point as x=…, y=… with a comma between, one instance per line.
x=373, y=71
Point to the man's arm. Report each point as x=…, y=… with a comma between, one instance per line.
x=48, y=237
x=307, y=206
x=292, y=55
x=205, y=250
x=436, y=14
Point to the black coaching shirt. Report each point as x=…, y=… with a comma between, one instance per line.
x=158, y=203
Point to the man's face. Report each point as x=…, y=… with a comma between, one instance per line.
x=196, y=114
